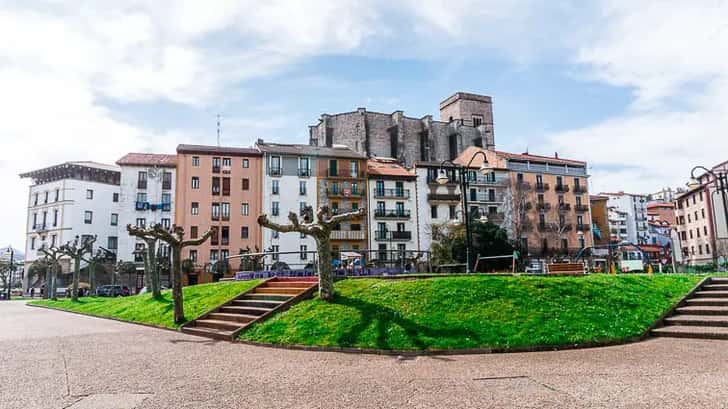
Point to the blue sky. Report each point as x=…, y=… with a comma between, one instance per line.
x=612, y=82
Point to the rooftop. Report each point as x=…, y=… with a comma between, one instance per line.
x=387, y=167
x=85, y=164
x=309, y=150
x=217, y=150
x=148, y=159
x=538, y=158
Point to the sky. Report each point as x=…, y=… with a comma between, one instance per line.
x=639, y=89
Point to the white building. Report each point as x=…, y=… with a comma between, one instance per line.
x=147, y=198
x=393, y=213
x=618, y=226
x=437, y=205
x=289, y=184
x=68, y=200
x=636, y=208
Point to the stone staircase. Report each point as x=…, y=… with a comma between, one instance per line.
x=703, y=314
x=257, y=304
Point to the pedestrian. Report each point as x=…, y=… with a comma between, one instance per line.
x=32, y=292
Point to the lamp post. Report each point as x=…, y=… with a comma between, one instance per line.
x=464, y=182
x=720, y=183
x=10, y=273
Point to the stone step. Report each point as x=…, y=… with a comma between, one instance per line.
x=711, y=294
x=713, y=302
x=719, y=280
x=244, y=302
x=245, y=310
x=679, y=331
x=209, y=333
x=715, y=287
x=239, y=318
x=312, y=279
x=266, y=297
x=699, y=320
x=290, y=284
x=219, y=324
x=702, y=310
x=278, y=290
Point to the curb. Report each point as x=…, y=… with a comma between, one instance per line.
x=106, y=318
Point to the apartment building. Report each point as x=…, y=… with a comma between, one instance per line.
x=694, y=224
x=717, y=209
x=290, y=184
x=218, y=188
x=438, y=205
x=393, y=213
x=68, y=200
x=635, y=205
x=465, y=120
x=146, y=199
x=601, y=228
x=342, y=186
x=618, y=225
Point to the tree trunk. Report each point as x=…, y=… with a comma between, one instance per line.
x=54, y=281
x=76, y=275
x=92, y=277
x=326, y=275
x=49, y=281
x=179, y=312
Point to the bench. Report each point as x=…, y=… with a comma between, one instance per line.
x=565, y=268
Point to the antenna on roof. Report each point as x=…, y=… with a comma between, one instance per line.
x=218, y=130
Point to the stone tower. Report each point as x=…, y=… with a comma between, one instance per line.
x=470, y=110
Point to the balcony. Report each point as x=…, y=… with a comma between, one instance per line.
x=523, y=185
x=544, y=227
x=432, y=180
x=141, y=205
x=579, y=189
x=581, y=208
x=561, y=188
x=380, y=235
x=445, y=197
x=342, y=210
x=544, y=207
x=391, y=193
x=344, y=193
x=339, y=173
x=347, y=235
x=215, y=168
x=391, y=214
x=564, y=207
x=304, y=172
x=582, y=227
x=542, y=187
x=40, y=227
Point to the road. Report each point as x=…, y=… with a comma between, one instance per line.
x=51, y=359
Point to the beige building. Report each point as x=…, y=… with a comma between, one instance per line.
x=694, y=226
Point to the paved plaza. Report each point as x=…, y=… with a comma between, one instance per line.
x=51, y=359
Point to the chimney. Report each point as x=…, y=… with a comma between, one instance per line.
x=556, y=155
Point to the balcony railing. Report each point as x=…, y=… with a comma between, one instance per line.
x=578, y=189
x=543, y=206
x=141, y=205
x=449, y=197
x=394, y=214
x=215, y=169
x=523, y=185
x=347, y=235
x=562, y=188
x=581, y=208
x=564, y=207
x=542, y=187
x=544, y=227
x=340, y=210
x=276, y=171
x=392, y=235
x=304, y=172
x=344, y=192
x=39, y=226
x=582, y=227
x=432, y=180
x=392, y=193
x=348, y=173
x=141, y=184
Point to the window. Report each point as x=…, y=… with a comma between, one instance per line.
x=304, y=249
x=35, y=220
x=141, y=198
x=195, y=161
x=275, y=187
x=195, y=208
x=433, y=211
x=227, y=162
x=519, y=177
x=138, y=252
x=193, y=232
x=302, y=187
x=301, y=208
x=215, y=236
x=691, y=234
x=215, y=165
x=166, y=180
x=213, y=256
x=246, y=184
x=564, y=244
x=333, y=167
x=245, y=209
x=399, y=207
x=88, y=217
x=166, y=223
x=275, y=208
x=226, y=211
x=195, y=182
x=225, y=235
x=707, y=248
x=246, y=163
x=697, y=232
x=112, y=243
x=226, y=186
x=141, y=222
x=89, y=194
x=55, y=218
x=35, y=199
x=216, y=211
x=142, y=180
x=216, y=186
x=303, y=235
x=166, y=202
x=244, y=232
x=354, y=168
x=275, y=166
x=274, y=250
x=32, y=243
x=304, y=168
x=700, y=249
x=58, y=194
x=45, y=200
x=114, y=219
x=53, y=240
x=453, y=214
x=193, y=255
x=115, y=197
x=382, y=252
x=703, y=212
x=705, y=230
x=491, y=195
x=354, y=188
x=477, y=120
x=275, y=234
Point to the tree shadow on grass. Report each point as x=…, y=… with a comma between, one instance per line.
x=386, y=318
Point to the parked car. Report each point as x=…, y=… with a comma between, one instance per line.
x=113, y=291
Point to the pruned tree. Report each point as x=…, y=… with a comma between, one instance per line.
x=53, y=256
x=558, y=230
x=38, y=271
x=76, y=250
x=174, y=237
x=721, y=252
x=127, y=268
x=517, y=208
x=151, y=270
x=251, y=262
x=6, y=273
x=320, y=230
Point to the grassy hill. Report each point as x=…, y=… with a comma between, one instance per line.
x=144, y=309
x=478, y=311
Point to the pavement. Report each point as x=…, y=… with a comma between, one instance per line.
x=52, y=359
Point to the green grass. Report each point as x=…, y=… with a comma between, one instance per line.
x=198, y=299
x=477, y=312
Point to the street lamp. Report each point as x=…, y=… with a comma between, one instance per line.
x=464, y=181
x=720, y=183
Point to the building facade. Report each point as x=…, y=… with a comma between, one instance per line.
x=465, y=120
x=635, y=205
x=393, y=213
x=69, y=200
x=717, y=211
x=221, y=189
x=146, y=199
x=695, y=226
x=437, y=204
x=600, y=220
